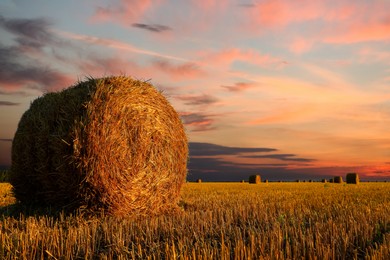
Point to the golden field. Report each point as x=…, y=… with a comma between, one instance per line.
x=216, y=221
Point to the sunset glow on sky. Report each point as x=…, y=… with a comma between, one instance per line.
x=305, y=84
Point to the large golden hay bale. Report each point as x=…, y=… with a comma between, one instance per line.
x=113, y=144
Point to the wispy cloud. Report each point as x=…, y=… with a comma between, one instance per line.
x=197, y=99
x=226, y=57
x=212, y=162
x=17, y=70
x=156, y=28
x=209, y=149
x=18, y=64
x=198, y=122
x=184, y=70
x=239, y=86
x=301, y=45
x=210, y=5
x=125, y=12
x=118, y=45
x=8, y=103
x=31, y=34
x=13, y=93
x=281, y=157
x=361, y=32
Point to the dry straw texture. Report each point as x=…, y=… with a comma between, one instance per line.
x=112, y=144
x=255, y=179
x=352, y=178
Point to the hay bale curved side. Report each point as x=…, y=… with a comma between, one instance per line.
x=254, y=179
x=352, y=178
x=112, y=144
x=338, y=179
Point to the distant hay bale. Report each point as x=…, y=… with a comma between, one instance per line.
x=352, y=178
x=331, y=180
x=324, y=181
x=242, y=181
x=113, y=144
x=266, y=181
x=4, y=176
x=199, y=180
x=254, y=179
x=297, y=181
x=338, y=179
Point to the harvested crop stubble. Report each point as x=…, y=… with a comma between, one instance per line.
x=113, y=144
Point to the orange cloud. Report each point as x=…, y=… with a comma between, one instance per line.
x=285, y=115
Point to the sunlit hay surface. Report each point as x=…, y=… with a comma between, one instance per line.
x=352, y=178
x=113, y=144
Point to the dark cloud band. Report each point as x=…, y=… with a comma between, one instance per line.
x=156, y=28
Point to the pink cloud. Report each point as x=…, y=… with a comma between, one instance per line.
x=210, y=5
x=125, y=12
x=301, y=45
x=239, y=86
x=226, y=57
x=361, y=32
x=197, y=99
x=272, y=14
x=343, y=22
x=185, y=70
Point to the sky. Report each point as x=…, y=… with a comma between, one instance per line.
x=285, y=89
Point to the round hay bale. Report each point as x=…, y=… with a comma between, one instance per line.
x=254, y=179
x=199, y=180
x=352, y=178
x=113, y=144
x=338, y=179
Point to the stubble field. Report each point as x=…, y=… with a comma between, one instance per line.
x=216, y=221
